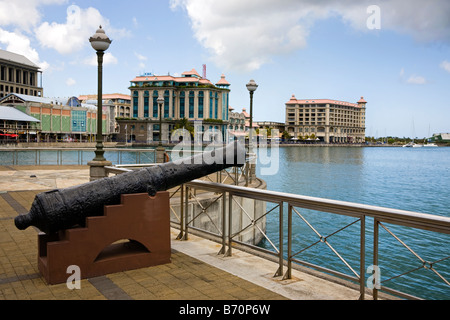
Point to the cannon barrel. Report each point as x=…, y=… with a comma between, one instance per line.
x=62, y=209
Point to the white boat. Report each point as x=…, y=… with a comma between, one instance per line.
x=412, y=145
x=431, y=145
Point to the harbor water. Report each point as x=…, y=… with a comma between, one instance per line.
x=412, y=179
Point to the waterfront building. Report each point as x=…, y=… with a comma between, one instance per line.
x=14, y=124
x=236, y=123
x=271, y=125
x=441, y=137
x=19, y=75
x=119, y=106
x=188, y=96
x=330, y=121
x=60, y=119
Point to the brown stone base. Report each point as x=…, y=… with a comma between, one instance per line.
x=134, y=234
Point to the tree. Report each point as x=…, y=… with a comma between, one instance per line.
x=286, y=135
x=184, y=124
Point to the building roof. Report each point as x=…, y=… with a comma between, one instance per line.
x=12, y=114
x=193, y=72
x=362, y=100
x=62, y=101
x=293, y=100
x=223, y=81
x=187, y=76
x=111, y=96
x=16, y=58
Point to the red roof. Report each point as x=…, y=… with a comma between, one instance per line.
x=223, y=81
x=324, y=101
x=362, y=100
x=192, y=72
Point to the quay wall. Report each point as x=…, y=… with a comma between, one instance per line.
x=211, y=219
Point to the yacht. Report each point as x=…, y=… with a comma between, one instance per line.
x=430, y=145
x=412, y=145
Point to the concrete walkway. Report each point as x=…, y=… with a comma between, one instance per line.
x=196, y=272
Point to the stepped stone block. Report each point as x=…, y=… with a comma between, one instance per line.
x=132, y=235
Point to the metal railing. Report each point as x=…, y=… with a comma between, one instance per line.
x=221, y=205
x=72, y=156
x=359, y=212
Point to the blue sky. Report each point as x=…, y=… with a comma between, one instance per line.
x=313, y=49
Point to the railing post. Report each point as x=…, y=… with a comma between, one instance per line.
x=230, y=223
x=375, y=252
x=288, y=274
x=224, y=227
x=362, y=272
x=281, y=239
x=181, y=234
x=186, y=203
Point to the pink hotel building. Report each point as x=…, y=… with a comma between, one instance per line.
x=330, y=121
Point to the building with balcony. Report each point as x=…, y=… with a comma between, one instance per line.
x=19, y=75
x=329, y=121
x=188, y=96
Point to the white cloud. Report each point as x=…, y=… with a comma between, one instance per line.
x=135, y=22
x=73, y=35
x=70, y=82
x=414, y=79
x=20, y=44
x=445, y=65
x=108, y=59
x=244, y=35
x=23, y=14
x=140, y=57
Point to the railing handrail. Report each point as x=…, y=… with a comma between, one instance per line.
x=407, y=218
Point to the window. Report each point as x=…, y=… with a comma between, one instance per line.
x=200, y=104
x=166, y=103
x=146, y=104
x=182, y=104
x=216, y=106
x=191, y=104
x=135, y=103
x=155, y=104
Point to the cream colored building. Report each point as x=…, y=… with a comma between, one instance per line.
x=330, y=121
x=19, y=75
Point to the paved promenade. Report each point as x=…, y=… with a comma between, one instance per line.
x=196, y=272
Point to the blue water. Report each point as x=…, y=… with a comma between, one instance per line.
x=413, y=179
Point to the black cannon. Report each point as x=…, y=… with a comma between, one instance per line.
x=62, y=209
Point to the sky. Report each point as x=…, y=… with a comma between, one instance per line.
x=396, y=54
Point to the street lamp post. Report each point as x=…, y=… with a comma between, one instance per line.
x=251, y=86
x=100, y=43
x=160, y=101
x=160, y=149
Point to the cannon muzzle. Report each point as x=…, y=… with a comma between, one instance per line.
x=62, y=209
